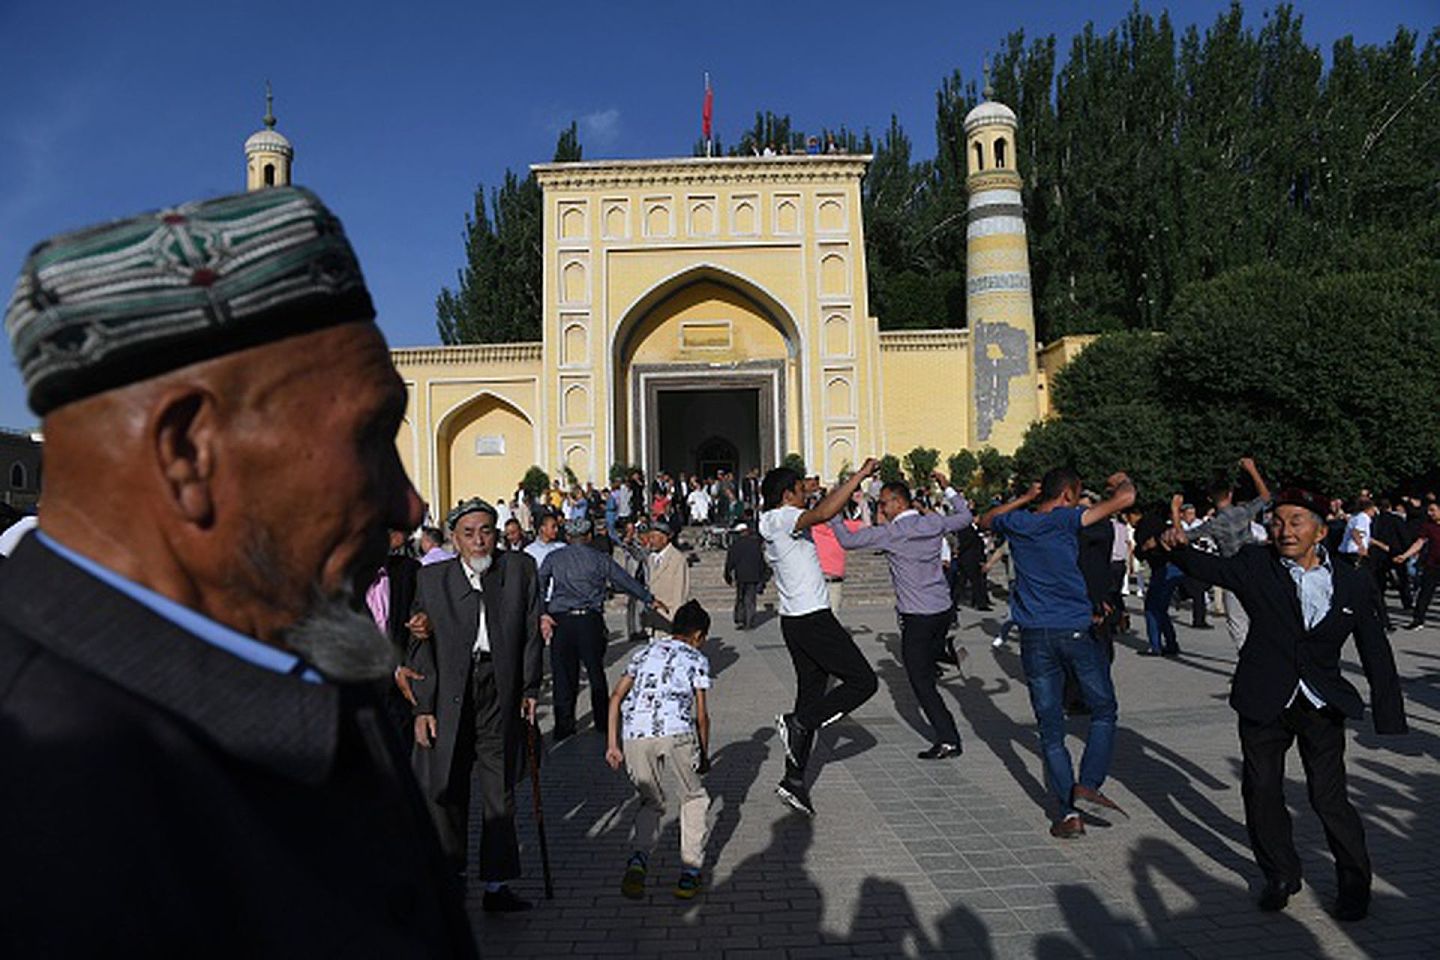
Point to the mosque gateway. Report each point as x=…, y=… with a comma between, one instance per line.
x=709, y=313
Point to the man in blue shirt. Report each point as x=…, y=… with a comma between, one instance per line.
x=1050, y=605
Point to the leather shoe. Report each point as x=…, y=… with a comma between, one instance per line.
x=940, y=751
x=1351, y=907
x=1083, y=794
x=1068, y=828
x=1277, y=894
x=503, y=900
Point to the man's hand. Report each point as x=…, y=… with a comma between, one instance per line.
x=547, y=626
x=868, y=468
x=614, y=757
x=527, y=709
x=940, y=479
x=419, y=627
x=1117, y=480
x=702, y=762
x=1173, y=537
x=403, y=676
x=1031, y=493
x=1247, y=464
x=425, y=730
x=657, y=605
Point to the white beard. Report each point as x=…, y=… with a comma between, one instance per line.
x=342, y=643
x=478, y=565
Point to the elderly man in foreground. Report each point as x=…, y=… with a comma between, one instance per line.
x=189, y=718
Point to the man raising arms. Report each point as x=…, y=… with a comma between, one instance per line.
x=1052, y=609
x=819, y=646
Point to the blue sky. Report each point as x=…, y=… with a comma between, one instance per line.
x=398, y=110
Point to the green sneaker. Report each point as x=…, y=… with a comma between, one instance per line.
x=688, y=885
x=632, y=884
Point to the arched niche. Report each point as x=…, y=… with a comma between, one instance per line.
x=466, y=440
x=837, y=335
x=572, y=283
x=575, y=405
x=839, y=397
x=834, y=282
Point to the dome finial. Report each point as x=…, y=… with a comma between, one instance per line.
x=269, y=107
x=989, y=91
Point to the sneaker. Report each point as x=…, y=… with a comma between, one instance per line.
x=688, y=885
x=1068, y=828
x=793, y=792
x=793, y=736
x=940, y=751
x=997, y=643
x=1083, y=794
x=632, y=884
x=1414, y=625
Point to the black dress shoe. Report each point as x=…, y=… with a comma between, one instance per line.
x=941, y=751
x=1351, y=907
x=1147, y=652
x=503, y=900
x=1277, y=894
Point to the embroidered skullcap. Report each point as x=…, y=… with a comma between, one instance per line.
x=119, y=303
x=473, y=505
x=578, y=527
x=1300, y=497
x=660, y=526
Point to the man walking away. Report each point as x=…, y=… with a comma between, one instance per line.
x=667, y=573
x=1428, y=543
x=911, y=543
x=1052, y=608
x=820, y=648
x=746, y=569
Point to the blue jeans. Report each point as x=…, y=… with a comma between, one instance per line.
x=1045, y=654
x=1158, y=626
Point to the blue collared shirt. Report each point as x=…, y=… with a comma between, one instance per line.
x=192, y=622
x=1316, y=588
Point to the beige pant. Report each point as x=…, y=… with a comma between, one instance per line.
x=836, y=591
x=646, y=758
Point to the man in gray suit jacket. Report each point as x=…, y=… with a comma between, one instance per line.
x=478, y=651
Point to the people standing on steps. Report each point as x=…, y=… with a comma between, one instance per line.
x=820, y=648
x=911, y=542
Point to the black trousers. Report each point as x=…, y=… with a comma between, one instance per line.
x=1195, y=590
x=1429, y=577
x=747, y=595
x=1320, y=733
x=922, y=641
x=579, y=638
x=481, y=746
x=820, y=648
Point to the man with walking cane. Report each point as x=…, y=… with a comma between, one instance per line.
x=479, y=657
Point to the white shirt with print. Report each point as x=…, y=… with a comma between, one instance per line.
x=661, y=703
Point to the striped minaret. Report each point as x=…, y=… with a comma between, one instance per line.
x=998, y=307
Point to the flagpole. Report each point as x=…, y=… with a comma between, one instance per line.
x=709, y=133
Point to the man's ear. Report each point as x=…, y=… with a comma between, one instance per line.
x=184, y=433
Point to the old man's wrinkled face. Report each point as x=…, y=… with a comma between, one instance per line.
x=1296, y=531
x=475, y=535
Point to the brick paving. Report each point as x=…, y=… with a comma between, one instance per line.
x=913, y=859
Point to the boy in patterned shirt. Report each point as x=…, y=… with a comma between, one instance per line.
x=659, y=707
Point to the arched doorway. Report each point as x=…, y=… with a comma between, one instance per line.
x=716, y=454
x=706, y=357
x=483, y=447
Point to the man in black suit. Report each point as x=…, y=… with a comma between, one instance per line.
x=479, y=659
x=1288, y=687
x=188, y=712
x=747, y=571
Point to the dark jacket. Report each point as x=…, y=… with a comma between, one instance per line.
x=401, y=570
x=512, y=618
x=1096, y=541
x=218, y=808
x=1279, y=651
x=745, y=560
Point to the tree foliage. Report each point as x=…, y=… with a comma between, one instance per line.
x=921, y=464
x=535, y=482
x=889, y=469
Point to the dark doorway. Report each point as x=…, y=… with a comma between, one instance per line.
x=703, y=431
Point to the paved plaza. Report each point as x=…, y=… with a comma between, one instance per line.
x=913, y=858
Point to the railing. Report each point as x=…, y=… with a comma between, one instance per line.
x=924, y=339
x=468, y=353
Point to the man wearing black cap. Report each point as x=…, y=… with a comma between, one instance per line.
x=1288, y=687
x=188, y=711
x=479, y=659
x=574, y=581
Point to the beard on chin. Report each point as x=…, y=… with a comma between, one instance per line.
x=479, y=564
x=341, y=642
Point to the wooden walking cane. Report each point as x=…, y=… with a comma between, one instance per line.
x=532, y=733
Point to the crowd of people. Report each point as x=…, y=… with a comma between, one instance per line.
x=210, y=699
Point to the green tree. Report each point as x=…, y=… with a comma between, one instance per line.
x=890, y=471
x=795, y=462
x=962, y=467
x=497, y=297
x=535, y=482
x=920, y=464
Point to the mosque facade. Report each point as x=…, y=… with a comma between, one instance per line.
x=711, y=313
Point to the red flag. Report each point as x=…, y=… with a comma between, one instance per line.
x=707, y=113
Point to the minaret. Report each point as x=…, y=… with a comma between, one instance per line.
x=268, y=154
x=998, y=306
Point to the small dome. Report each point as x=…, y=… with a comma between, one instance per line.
x=268, y=141
x=990, y=111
